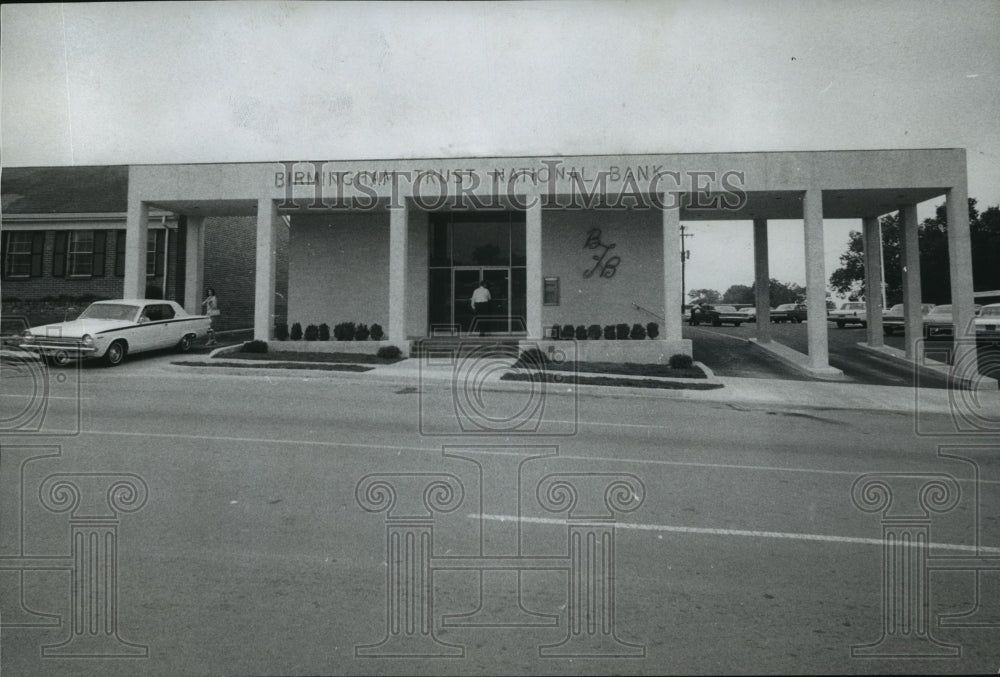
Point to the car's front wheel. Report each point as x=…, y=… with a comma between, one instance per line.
x=116, y=353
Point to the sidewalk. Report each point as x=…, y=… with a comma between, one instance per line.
x=739, y=391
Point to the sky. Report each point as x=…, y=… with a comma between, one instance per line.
x=131, y=83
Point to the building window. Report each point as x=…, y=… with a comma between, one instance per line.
x=151, y=252
x=22, y=254
x=154, y=253
x=79, y=253
x=550, y=291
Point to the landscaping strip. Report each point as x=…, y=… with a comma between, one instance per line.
x=292, y=356
x=625, y=369
x=559, y=378
x=256, y=364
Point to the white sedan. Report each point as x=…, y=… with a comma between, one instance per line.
x=988, y=323
x=113, y=329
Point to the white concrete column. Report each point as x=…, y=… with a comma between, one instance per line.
x=194, y=264
x=819, y=353
x=533, y=267
x=872, y=239
x=136, y=229
x=960, y=266
x=913, y=323
x=398, y=247
x=672, y=302
x=263, y=310
x=762, y=280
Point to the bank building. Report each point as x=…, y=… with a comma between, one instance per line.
x=578, y=240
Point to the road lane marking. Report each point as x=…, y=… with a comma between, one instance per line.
x=47, y=397
x=734, y=532
x=437, y=449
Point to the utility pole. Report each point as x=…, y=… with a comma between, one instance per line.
x=685, y=255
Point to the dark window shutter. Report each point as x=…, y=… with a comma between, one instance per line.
x=120, y=253
x=97, y=261
x=4, y=236
x=37, y=249
x=59, y=255
x=160, y=254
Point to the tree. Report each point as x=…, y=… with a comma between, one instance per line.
x=935, y=276
x=785, y=293
x=738, y=293
x=709, y=296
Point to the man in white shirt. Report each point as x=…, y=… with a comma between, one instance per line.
x=481, y=305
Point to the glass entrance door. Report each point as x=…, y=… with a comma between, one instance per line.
x=497, y=318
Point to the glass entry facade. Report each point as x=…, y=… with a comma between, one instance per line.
x=466, y=248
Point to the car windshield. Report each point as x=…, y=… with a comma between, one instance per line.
x=941, y=310
x=110, y=311
x=990, y=311
x=898, y=308
x=786, y=306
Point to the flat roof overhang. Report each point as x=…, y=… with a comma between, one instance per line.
x=855, y=184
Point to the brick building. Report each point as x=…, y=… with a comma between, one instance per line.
x=62, y=245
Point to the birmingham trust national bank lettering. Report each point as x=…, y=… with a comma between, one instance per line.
x=557, y=183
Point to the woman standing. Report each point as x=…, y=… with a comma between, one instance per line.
x=211, y=305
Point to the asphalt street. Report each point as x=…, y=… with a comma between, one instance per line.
x=262, y=545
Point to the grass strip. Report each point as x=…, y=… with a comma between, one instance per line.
x=549, y=377
x=292, y=356
x=625, y=369
x=255, y=364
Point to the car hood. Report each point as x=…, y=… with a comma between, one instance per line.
x=77, y=328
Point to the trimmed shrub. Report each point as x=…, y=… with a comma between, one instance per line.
x=594, y=332
x=652, y=330
x=681, y=361
x=281, y=331
x=324, y=332
x=389, y=352
x=361, y=332
x=296, y=334
x=533, y=358
x=581, y=333
x=377, y=333
x=344, y=331
x=568, y=332
x=312, y=333
x=638, y=332
x=609, y=332
x=254, y=347
x=621, y=331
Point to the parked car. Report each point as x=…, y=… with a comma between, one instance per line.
x=789, y=312
x=851, y=312
x=988, y=324
x=939, y=324
x=716, y=315
x=751, y=313
x=113, y=329
x=893, y=319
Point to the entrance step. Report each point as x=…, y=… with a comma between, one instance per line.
x=446, y=346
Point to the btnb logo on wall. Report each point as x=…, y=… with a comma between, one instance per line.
x=604, y=266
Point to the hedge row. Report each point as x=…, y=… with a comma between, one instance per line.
x=611, y=332
x=345, y=331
